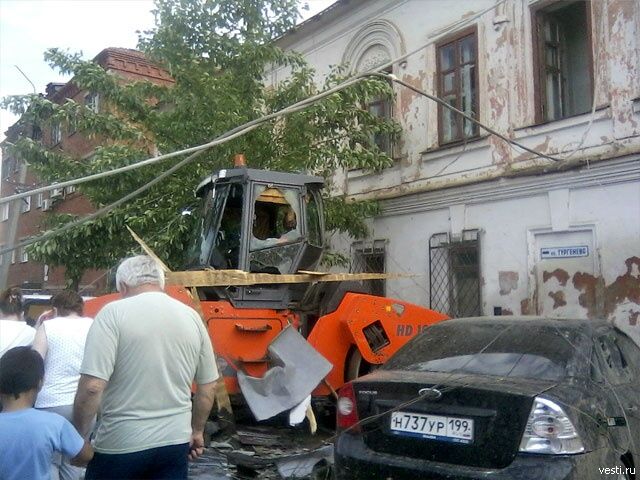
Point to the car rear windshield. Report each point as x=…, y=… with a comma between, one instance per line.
x=505, y=350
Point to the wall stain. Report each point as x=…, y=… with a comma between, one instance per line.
x=561, y=275
x=525, y=307
x=506, y=311
x=601, y=300
x=595, y=296
x=558, y=299
x=408, y=96
x=508, y=282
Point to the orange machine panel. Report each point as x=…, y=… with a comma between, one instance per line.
x=240, y=337
x=376, y=326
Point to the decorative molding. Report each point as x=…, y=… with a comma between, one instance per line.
x=609, y=172
x=374, y=44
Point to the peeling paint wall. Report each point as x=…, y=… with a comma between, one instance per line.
x=513, y=198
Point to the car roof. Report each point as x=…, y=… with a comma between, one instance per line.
x=586, y=325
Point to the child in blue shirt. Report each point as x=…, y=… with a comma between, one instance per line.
x=29, y=437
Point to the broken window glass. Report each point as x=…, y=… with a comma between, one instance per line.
x=276, y=224
x=564, y=60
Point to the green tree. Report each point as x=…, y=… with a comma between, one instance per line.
x=217, y=52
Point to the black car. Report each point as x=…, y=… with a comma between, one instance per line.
x=497, y=398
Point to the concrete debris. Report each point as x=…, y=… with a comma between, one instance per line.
x=258, y=437
x=298, y=369
x=265, y=452
x=304, y=464
x=299, y=412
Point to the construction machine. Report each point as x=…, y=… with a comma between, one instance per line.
x=260, y=221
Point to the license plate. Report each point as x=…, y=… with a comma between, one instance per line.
x=433, y=427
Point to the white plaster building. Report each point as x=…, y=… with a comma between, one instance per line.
x=489, y=228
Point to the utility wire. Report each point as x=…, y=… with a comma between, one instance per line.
x=153, y=160
x=439, y=101
x=234, y=133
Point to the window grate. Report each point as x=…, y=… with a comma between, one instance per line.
x=369, y=257
x=454, y=274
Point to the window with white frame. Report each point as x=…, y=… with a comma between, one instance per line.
x=5, y=212
x=92, y=101
x=13, y=257
x=24, y=256
x=56, y=133
x=2, y=255
x=70, y=189
x=39, y=200
x=26, y=204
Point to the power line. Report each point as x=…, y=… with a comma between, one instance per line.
x=153, y=160
x=232, y=134
x=439, y=101
x=236, y=132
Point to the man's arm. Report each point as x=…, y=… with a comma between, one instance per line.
x=87, y=402
x=40, y=341
x=202, y=404
x=84, y=456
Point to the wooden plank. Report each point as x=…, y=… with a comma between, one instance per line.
x=147, y=249
x=223, y=278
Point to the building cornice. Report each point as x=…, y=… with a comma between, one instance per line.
x=609, y=172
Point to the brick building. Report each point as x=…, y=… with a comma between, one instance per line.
x=24, y=218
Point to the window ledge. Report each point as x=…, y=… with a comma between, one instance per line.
x=441, y=151
x=548, y=127
x=361, y=173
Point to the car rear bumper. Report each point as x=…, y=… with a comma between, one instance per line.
x=354, y=461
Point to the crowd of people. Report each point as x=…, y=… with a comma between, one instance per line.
x=132, y=368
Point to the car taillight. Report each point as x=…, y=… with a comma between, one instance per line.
x=346, y=411
x=549, y=430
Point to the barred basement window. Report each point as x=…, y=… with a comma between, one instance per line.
x=369, y=257
x=454, y=274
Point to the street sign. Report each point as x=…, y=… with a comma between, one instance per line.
x=564, y=252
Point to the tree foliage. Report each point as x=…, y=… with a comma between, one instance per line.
x=218, y=53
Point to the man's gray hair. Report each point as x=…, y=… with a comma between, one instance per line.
x=139, y=270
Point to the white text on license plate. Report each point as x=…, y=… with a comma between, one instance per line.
x=434, y=427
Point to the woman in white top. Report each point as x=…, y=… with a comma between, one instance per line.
x=14, y=331
x=60, y=340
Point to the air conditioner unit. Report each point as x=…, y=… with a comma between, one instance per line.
x=57, y=193
x=46, y=204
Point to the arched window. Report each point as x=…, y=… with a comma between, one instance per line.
x=376, y=44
